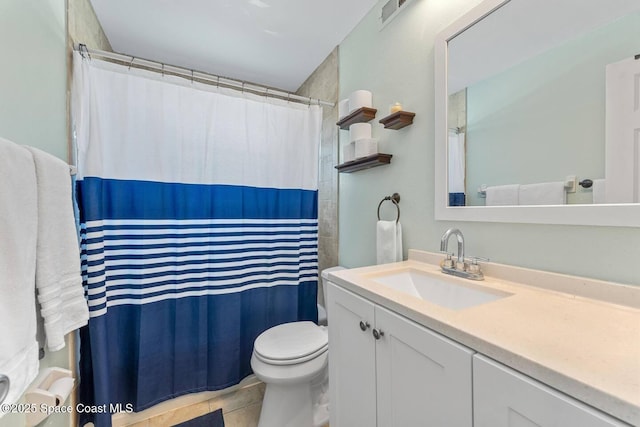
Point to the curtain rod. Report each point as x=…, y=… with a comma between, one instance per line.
x=199, y=75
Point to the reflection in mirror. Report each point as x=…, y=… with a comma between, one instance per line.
x=540, y=92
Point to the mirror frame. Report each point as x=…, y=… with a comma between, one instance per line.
x=613, y=215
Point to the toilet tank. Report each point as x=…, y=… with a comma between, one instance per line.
x=325, y=284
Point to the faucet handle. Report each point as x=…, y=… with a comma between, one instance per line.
x=447, y=262
x=471, y=264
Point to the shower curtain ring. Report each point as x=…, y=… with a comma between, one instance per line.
x=83, y=49
x=191, y=76
x=133, y=58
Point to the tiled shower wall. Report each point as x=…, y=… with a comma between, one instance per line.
x=83, y=26
x=323, y=84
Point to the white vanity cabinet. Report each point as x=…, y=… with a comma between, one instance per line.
x=386, y=370
x=352, y=360
x=505, y=398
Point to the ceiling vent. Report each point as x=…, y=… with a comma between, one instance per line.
x=391, y=9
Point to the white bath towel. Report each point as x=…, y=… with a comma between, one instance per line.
x=58, y=281
x=388, y=242
x=18, y=233
x=599, y=191
x=546, y=193
x=502, y=195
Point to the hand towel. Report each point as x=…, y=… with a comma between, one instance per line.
x=502, y=195
x=58, y=281
x=18, y=234
x=599, y=191
x=388, y=242
x=546, y=193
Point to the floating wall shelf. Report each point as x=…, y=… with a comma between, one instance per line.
x=361, y=115
x=371, y=161
x=397, y=120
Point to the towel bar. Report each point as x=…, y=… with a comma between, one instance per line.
x=395, y=198
x=569, y=186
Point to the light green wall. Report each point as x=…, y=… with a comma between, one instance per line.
x=546, y=116
x=33, y=102
x=33, y=74
x=397, y=63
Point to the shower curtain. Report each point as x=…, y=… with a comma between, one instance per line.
x=199, y=231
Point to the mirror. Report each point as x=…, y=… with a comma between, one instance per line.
x=533, y=98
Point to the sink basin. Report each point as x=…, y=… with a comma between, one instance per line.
x=440, y=291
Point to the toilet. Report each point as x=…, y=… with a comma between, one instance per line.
x=292, y=359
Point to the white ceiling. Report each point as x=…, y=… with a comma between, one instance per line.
x=276, y=43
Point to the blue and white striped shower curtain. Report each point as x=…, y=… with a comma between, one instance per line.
x=199, y=231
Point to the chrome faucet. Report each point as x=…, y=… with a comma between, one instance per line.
x=444, y=242
x=467, y=268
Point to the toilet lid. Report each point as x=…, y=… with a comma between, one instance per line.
x=291, y=343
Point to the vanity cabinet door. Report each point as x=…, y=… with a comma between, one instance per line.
x=424, y=379
x=352, y=359
x=503, y=397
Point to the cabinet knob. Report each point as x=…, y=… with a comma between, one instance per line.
x=377, y=333
x=364, y=325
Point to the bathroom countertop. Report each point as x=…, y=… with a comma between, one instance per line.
x=577, y=335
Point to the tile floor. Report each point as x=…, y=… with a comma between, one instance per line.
x=240, y=407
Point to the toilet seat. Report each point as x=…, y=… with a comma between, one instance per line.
x=291, y=343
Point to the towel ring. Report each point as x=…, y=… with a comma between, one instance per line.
x=395, y=198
